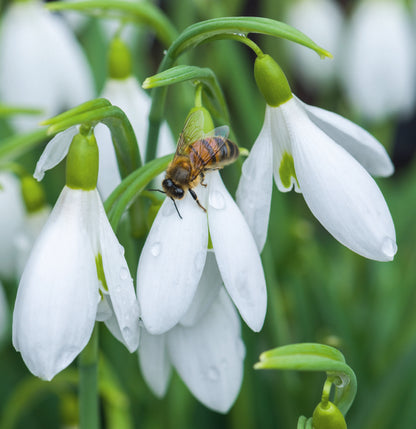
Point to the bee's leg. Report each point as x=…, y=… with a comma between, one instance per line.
x=202, y=180
x=195, y=197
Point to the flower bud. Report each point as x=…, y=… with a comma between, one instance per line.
x=208, y=124
x=271, y=81
x=82, y=163
x=119, y=60
x=328, y=416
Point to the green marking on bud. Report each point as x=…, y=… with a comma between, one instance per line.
x=287, y=170
x=271, y=81
x=82, y=163
x=328, y=416
x=119, y=60
x=100, y=271
x=33, y=194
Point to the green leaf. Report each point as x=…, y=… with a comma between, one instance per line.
x=125, y=11
x=18, y=145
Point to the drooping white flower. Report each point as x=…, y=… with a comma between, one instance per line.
x=205, y=347
x=174, y=254
x=380, y=85
x=12, y=214
x=76, y=273
x=322, y=21
x=329, y=159
x=41, y=64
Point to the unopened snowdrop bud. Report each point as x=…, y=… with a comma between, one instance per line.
x=328, y=416
x=119, y=60
x=207, y=125
x=271, y=81
x=82, y=163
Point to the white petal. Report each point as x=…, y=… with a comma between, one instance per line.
x=254, y=191
x=209, y=356
x=119, y=281
x=154, y=362
x=338, y=190
x=380, y=85
x=57, y=297
x=237, y=254
x=171, y=263
x=55, y=151
x=367, y=150
x=12, y=212
x=46, y=67
x=207, y=291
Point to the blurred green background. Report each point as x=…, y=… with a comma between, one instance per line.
x=318, y=290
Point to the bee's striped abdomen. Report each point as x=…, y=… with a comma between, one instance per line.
x=213, y=152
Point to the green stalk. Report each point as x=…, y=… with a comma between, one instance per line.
x=88, y=384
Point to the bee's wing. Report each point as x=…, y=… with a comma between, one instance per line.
x=222, y=131
x=192, y=131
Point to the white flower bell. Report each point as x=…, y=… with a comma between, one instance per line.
x=75, y=274
x=327, y=158
x=41, y=64
x=379, y=60
x=174, y=254
x=205, y=347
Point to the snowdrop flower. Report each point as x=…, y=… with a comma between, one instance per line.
x=205, y=348
x=380, y=85
x=41, y=64
x=327, y=158
x=322, y=21
x=174, y=255
x=76, y=273
x=123, y=90
x=12, y=214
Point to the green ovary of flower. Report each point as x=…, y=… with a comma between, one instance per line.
x=82, y=163
x=287, y=170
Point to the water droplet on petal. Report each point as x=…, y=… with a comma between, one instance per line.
x=216, y=200
x=213, y=373
x=126, y=332
x=389, y=247
x=124, y=273
x=121, y=250
x=155, y=249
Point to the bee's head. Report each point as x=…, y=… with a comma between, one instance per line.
x=172, y=190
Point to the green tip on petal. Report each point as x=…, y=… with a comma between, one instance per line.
x=328, y=416
x=287, y=170
x=33, y=194
x=271, y=81
x=82, y=163
x=119, y=60
x=100, y=271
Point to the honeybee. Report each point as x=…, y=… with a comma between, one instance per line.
x=195, y=154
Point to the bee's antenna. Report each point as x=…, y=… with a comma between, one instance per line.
x=176, y=207
x=157, y=190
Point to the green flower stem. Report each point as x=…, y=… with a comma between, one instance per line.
x=15, y=146
x=203, y=31
x=14, y=110
x=315, y=357
x=131, y=187
x=184, y=73
x=138, y=12
x=88, y=384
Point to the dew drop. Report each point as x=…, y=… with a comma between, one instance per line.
x=155, y=249
x=124, y=273
x=121, y=250
x=213, y=373
x=216, y=200
x=126, y=332
x=389, y=247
